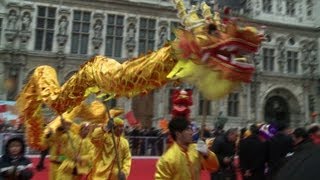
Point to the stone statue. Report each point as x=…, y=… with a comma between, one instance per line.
x=12, y=20
x=63, y=25
x=131, y=32
x=25, y=22
x=313, y=52
x=221, y=120
x=162, y=36
x=281, y=50
x=98, y=29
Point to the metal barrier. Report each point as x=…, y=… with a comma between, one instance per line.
x=147, y=145
x=139, y=145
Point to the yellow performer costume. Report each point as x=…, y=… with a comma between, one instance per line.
x=178, y=163
x=105, y=162
x=78, y=157
x=56, y=140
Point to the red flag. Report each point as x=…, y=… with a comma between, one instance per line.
x=163, y=124
x=3, y=108
x=131, y=118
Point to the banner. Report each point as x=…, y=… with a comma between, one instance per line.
x=3, y=108
x=163, y=124
x=131, y=118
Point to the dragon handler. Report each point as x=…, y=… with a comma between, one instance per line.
x=184, y=159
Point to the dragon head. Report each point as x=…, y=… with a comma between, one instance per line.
x=213, y=54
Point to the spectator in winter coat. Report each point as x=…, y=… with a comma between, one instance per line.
x=304, y=162
x=278, y=147
x=253, y=155
x=224, y=147
x=13, y=164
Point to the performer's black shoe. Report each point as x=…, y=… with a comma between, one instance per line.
x=40, y=167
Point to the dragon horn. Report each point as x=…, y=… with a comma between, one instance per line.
x=207, y=14
x=206, y=10
x=181, y=9
x=189, y=19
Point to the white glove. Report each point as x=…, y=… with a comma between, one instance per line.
x=202, y=147
x=20, y=167
x=8, y=169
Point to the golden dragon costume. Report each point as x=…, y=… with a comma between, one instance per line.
x=208, y=53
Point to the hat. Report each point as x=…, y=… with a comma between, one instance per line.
x=118, y=122
x=96, y=112
x=247, y=133
x=267, y=131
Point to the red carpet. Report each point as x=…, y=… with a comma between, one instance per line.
x=140, y=169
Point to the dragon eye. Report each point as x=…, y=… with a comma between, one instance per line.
x=212, y=28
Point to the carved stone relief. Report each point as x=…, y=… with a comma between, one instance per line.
x=309, y=54
x=248, y=7
x=163, y=33
x=279, y=6
x=281, y=50
x=131, y=36
x=258, y=8
x=97, y=32
x=11, y=30
x=63, y=24
x=25, y=21
x=25, y=31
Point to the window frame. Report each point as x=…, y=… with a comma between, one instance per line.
x=292, y=58
x=267, y=6
x=45, y=38
x=201, y=100
x=268, y=59
x=78, y=47
x=146, y=39
x=114, y=35
x=290, y=8
x=173, y=25
x=233, y=104
x=309, y=8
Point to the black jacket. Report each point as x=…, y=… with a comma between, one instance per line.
x=278, y=147
x=223, y=148
x=303, y=164
x=17, y=165
x=252, y=154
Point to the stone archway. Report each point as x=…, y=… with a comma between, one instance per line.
x=277, y=109
x=280, y=105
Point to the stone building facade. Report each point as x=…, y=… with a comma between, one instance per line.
x=66, y=33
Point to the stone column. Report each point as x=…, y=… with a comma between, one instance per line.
x=2, y=82
x=281, y=57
